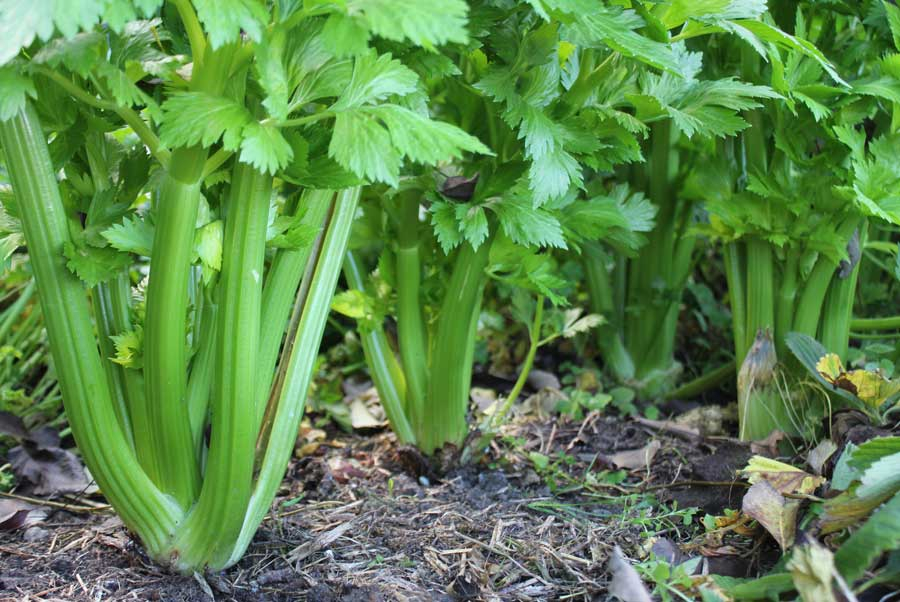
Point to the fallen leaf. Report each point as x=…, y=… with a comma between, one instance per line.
x=543, y=402
x=812, y=568
x=720, y=551
x=353, y=387
x=484, y=399
x=309, y=440
x=633, y=459
x=783, y=477
x=322, y=540
x=361, y=417
x=769, y=508
x=768, y=446
x=706, y=420
x=820, y=454
x=626, y=584
x=541, y=379
x=666, y=549
x=13, y=514
x=45, y=468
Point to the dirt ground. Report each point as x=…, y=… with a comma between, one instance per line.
x=360, y=520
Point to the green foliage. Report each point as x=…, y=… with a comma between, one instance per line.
x=182, y=139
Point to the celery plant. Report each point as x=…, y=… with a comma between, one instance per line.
x=791, y=199
x=546, y=88
x=687, y=112
x=226, y=143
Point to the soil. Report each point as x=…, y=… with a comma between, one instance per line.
x=358, y=519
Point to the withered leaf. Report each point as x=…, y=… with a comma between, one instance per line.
x=769, y=508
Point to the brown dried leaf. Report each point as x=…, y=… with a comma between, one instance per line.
x=541, y=379
x=820, y=454
x=12, y=426
x=769, y=446
x=770, y=509
x=484, y=399
x=361, y=417
x=633, y=459
x=16, y=514
x=50, y=470
x=13, y=514
x=626, y=583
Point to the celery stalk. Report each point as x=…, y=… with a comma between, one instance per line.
x=89, y=409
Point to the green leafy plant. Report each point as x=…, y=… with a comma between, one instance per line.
x=791, y=198
x=526, y=87
x=225, y=142
x=683, y=114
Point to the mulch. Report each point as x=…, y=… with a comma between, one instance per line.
x=360, y=519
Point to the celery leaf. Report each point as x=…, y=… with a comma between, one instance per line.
x=265, y=148
x=221, y=118
x=15, y=89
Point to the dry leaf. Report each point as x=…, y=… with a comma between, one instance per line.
x=783, y=477
x=12, y=426
x=633, y=459
x=484, y=399
x=812, y=567
x=626, y=583
x=13, y=514
x=820, y=454
x=321, y=541
x=49, y=469
x=770, y=509
x=361, y=417
x=768, y=446
x=542, y=403
x=706, y=420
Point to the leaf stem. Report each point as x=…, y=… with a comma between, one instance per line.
x=193, y=28
x=129, y=116
x=89, y=408
x=215, y=161
x=305, y=119
x=534, y=335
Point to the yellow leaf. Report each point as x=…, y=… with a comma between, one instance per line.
x=830, y=367
x=783, y=477
x=872, y=388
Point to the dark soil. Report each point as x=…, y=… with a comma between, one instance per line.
x=356, y=521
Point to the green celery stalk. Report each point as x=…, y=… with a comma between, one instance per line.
x=786, y=299
x=834, y=327
x=202, y=374
x=389, y=378
x=280, y=290
x=89, y=408
x=734, y=273
x=217, y=518
x=612, y=348
x=760, y=286
x=453, y=352
x=311, y=313
x=809, y=308
x=412, y=338
x=102, y=302
x=165, y=346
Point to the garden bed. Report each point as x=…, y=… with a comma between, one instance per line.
x=357, y=520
